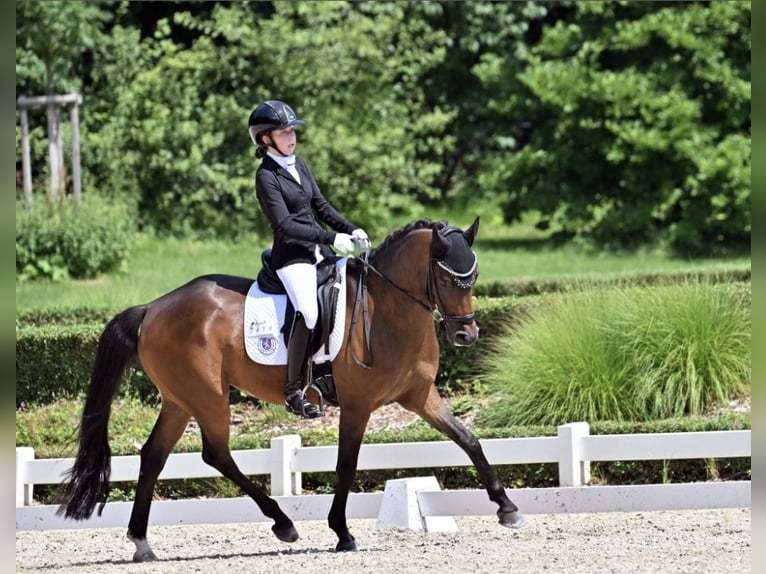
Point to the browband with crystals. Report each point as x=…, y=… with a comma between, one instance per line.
x=462, y=280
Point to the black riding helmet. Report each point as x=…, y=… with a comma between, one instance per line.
x=271, y=115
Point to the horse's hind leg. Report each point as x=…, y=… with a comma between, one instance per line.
x=167, y=430
x=436, y=413
x=216, y=453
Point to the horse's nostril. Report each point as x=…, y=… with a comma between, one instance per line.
x=464, y=339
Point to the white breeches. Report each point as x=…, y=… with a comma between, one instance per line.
x=300, y=281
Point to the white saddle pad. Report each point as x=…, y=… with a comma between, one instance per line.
x=265, y=316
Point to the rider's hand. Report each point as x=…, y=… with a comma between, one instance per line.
x=343, y=242
x=360, y=235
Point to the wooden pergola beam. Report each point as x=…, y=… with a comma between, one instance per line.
x=24, y=102
x=53, y=103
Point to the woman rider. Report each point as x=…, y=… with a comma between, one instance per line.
x=291, y=201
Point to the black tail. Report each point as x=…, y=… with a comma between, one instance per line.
x=88, y=479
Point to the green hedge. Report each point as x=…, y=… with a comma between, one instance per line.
x=54, y=362
x=525, y=288
x=54, y=352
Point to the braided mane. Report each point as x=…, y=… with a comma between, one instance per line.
x=396, y=236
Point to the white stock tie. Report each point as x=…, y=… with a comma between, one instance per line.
x=291, y=168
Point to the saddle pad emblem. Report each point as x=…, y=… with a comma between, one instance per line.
x=265, y=316
x=266, y=345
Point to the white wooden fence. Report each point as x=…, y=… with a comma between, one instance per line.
x=573, y=449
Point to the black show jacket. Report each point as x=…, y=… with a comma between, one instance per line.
x=289, y=206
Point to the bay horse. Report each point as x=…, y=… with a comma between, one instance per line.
x=190, y=343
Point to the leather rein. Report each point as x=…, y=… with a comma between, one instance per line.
x=433, y=295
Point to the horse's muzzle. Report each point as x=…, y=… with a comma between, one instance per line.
x=460, y=330
x=465, y=336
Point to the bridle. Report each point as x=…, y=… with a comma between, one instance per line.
x=433, y=295
x=461, y=280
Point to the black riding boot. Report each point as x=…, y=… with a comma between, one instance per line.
x=297, y=356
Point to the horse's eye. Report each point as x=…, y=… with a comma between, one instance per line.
x=444, y=281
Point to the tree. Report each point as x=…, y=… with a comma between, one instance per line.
x=51, y=38
x=640, y=116
x=474, y=33
x=355, y=71
x=178, y=137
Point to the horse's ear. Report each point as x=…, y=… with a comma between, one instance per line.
x=439, y=245
x=470, y=233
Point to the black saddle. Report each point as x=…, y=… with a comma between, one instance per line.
x=269, y=281
x=327, y=296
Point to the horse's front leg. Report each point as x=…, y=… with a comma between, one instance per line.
x=435, y=412
x=352, y=424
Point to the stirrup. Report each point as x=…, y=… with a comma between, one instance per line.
x=307, y=410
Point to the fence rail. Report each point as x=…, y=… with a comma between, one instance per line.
x=572, y=449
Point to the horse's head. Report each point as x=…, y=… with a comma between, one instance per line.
x=453, y=269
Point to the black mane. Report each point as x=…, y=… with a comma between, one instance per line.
x=396, y=236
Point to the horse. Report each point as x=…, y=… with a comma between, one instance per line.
x=190, y=343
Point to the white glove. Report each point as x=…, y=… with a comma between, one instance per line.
x=343, y=242
x=360, y=235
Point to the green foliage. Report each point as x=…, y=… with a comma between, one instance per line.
x=52, y=430
x=568, y=284
x=622, y=354
x=476, y=34
x=63, y=317
x=167, y=140
x=59, y=241
x=461, y=367
x=51, y=38
x=690, y=348
x=54, y=362
x=620, y=123
x=640, y=116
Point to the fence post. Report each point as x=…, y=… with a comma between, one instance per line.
x=573, y=470
x=23, y=491
x=284, y=481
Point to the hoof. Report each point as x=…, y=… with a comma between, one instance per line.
x=289, y=534
x=348, y=546
x=511, y=519
x=144, y=556
x=143, y=550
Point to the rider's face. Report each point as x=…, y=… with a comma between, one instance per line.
x=285, y=140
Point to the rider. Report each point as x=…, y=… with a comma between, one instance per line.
x=289, y=197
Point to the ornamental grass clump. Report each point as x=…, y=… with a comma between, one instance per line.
x=690, y=346
x=621, y=354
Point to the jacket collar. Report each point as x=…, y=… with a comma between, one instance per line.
x=271, y=164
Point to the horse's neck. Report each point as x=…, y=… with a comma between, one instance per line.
x=407, y=268
x=407, y=264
